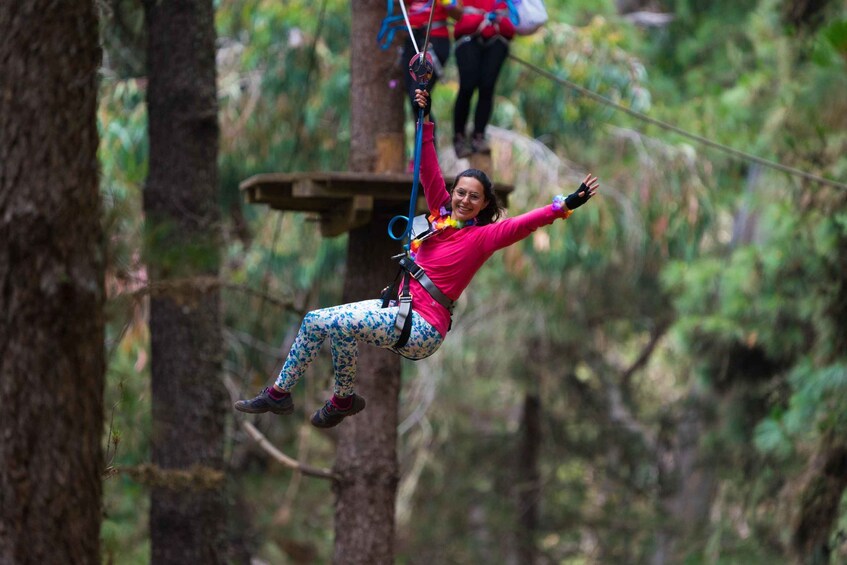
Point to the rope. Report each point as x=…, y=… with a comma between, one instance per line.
x=664, y=125
x=428, y=27
x=409, y=25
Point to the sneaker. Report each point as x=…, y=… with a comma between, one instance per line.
x=461, y=147
x=480, y=145
x=329, y=416
x=264, y=403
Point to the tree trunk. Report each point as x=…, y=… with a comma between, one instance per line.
x=687, y=483
x=187, y=518
x=825, y=478
x=824, y=483
x=377, y=107
x=366, y=459
x=51, y=276
x=529, y=479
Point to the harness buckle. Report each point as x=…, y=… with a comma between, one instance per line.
x=415, y=270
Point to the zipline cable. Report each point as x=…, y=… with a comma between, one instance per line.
x=664, y=125
x=409, y=26
x=428, y=27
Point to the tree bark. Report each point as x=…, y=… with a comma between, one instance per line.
x=529, y=479
x=187, y=524
x=377, y=107
x=687, y=482
x=825, y=479
x=824, y=482
x=52, y=360
x=366, y=459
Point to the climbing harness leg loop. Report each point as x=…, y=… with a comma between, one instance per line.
x=409, y=270
x=403, y=322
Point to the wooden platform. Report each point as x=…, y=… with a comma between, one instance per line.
x=341, y=200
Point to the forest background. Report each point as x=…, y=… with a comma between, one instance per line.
x=661, y=378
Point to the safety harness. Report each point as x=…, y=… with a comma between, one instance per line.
x=422, y=229
x=489, y=19
x=421, y=67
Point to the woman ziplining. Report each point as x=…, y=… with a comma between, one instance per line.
x=464, y=232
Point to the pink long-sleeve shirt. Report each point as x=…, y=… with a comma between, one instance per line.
x=452, y=257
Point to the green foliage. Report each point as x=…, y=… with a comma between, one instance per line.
x=831, y=48
x=562, y=314
x=816, y=404
x=593, y=56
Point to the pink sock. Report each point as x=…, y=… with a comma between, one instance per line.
x=277, y=395
x=342, y=402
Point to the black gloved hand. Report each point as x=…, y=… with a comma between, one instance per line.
x=577, y=198
x=581, y=195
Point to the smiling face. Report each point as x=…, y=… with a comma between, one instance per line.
x=467, y=199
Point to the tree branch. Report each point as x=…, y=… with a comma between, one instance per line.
x=193, y=285
x=271, y=449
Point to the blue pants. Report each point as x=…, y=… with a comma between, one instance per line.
x=346, y=325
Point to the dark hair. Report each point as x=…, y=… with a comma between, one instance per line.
x=492, y=212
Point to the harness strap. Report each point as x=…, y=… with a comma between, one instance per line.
x=403, y=321
x=489, y=18
x=390, y=26
x=420, y=275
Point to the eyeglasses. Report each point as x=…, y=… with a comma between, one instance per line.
x=461, y=193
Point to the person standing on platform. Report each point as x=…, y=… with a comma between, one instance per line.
x=482, y=37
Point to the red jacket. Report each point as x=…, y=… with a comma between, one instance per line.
x=475, y=19
x=418, y=11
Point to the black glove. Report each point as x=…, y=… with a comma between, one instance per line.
x=575, y=200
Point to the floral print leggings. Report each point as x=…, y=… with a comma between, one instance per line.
x=345, y=326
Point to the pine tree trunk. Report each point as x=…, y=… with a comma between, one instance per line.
x=528, y=485
x=51, y=285
x=367, y=453
x=824, y=482
x=687, y=481
x=825, y=478
x=187, y=522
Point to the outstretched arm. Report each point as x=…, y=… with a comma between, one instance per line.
x=431, y=177
x=511, y=230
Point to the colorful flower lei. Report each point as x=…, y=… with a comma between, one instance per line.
x=559, y=205
x=439, y=222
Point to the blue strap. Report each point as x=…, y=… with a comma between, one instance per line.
x=415, y=179
x=513, y=13
x=390, y=25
